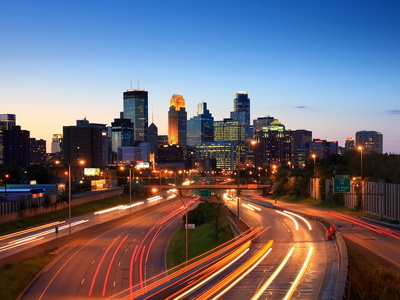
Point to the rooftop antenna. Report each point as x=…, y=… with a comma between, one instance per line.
x=138, y=85
x=152, y=114
x=131, y=85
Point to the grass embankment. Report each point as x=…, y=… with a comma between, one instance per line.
x=16, y=276
x=201, y=240
x=371, y=280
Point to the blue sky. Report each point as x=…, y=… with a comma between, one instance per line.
x=332, y=67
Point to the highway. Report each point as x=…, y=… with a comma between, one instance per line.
x=283, y=256
x=288, y=259
x=374, y=240
x=109, y=262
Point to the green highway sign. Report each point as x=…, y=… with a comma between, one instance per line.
x=341, y=184
x=202, y=193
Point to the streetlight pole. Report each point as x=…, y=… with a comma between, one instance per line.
x=130, y=187
x=361, y=161
x=5, y=188
x=70, y=192
x=314, y=157
x=130, y=190
x=187, y=227
x=238, y=185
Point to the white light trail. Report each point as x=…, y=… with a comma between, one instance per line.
x=300, y=217
x=289, y=216
x=300, y=275
x=273, y=276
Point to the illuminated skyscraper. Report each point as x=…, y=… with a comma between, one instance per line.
x=136, y=109
x=56, y=143
x=200, y=128
x=241, y=113
x=177, y=118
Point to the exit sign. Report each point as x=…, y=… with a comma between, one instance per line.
x=341, y=184
x=202, y=193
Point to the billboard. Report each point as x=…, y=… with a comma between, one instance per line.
x=142, y=165
x=91, y=171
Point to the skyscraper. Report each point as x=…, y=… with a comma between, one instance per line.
x=152, y=138
x=136, y=109
x=6, y=122
x=371, y=141
x=177, y=118
x=56, y=143
x=241, y=112
x=200, y=128
x=122, y=133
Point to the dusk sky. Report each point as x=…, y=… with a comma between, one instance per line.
x=331, y=67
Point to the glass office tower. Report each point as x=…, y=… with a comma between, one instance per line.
x=136, y=109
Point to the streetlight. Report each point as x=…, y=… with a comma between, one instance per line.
x=314, y=157
x=238, y=177
x=81, y=162
x=5, y=187
x=361, y=158
x=187, y=224
x=130, y=188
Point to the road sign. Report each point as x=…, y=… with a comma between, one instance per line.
x=341, y=184
x=202, y=193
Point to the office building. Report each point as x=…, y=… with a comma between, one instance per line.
x=56, y=143
x=16, y=151
x=122, y=133
x=152, y=138
x=6, y=122
x=177, y=119
x=229, y=130
x=258, y=125
x=219, y=155
x=323, y=148
x=136, y=109
x=274, y=147
x=139, y=151
x=87, y=141
x=37, y=151
x=241, y=113
x=200, y=128
x=370, y=141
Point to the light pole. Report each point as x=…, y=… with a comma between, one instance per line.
x=187, y=226
x=361, y=161
x=70, y=189
x=314, y=157
x=238, y=177
x=238, y=185
x=5, y=187
x=130, y=188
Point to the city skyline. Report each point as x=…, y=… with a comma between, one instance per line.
x=331, y=68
